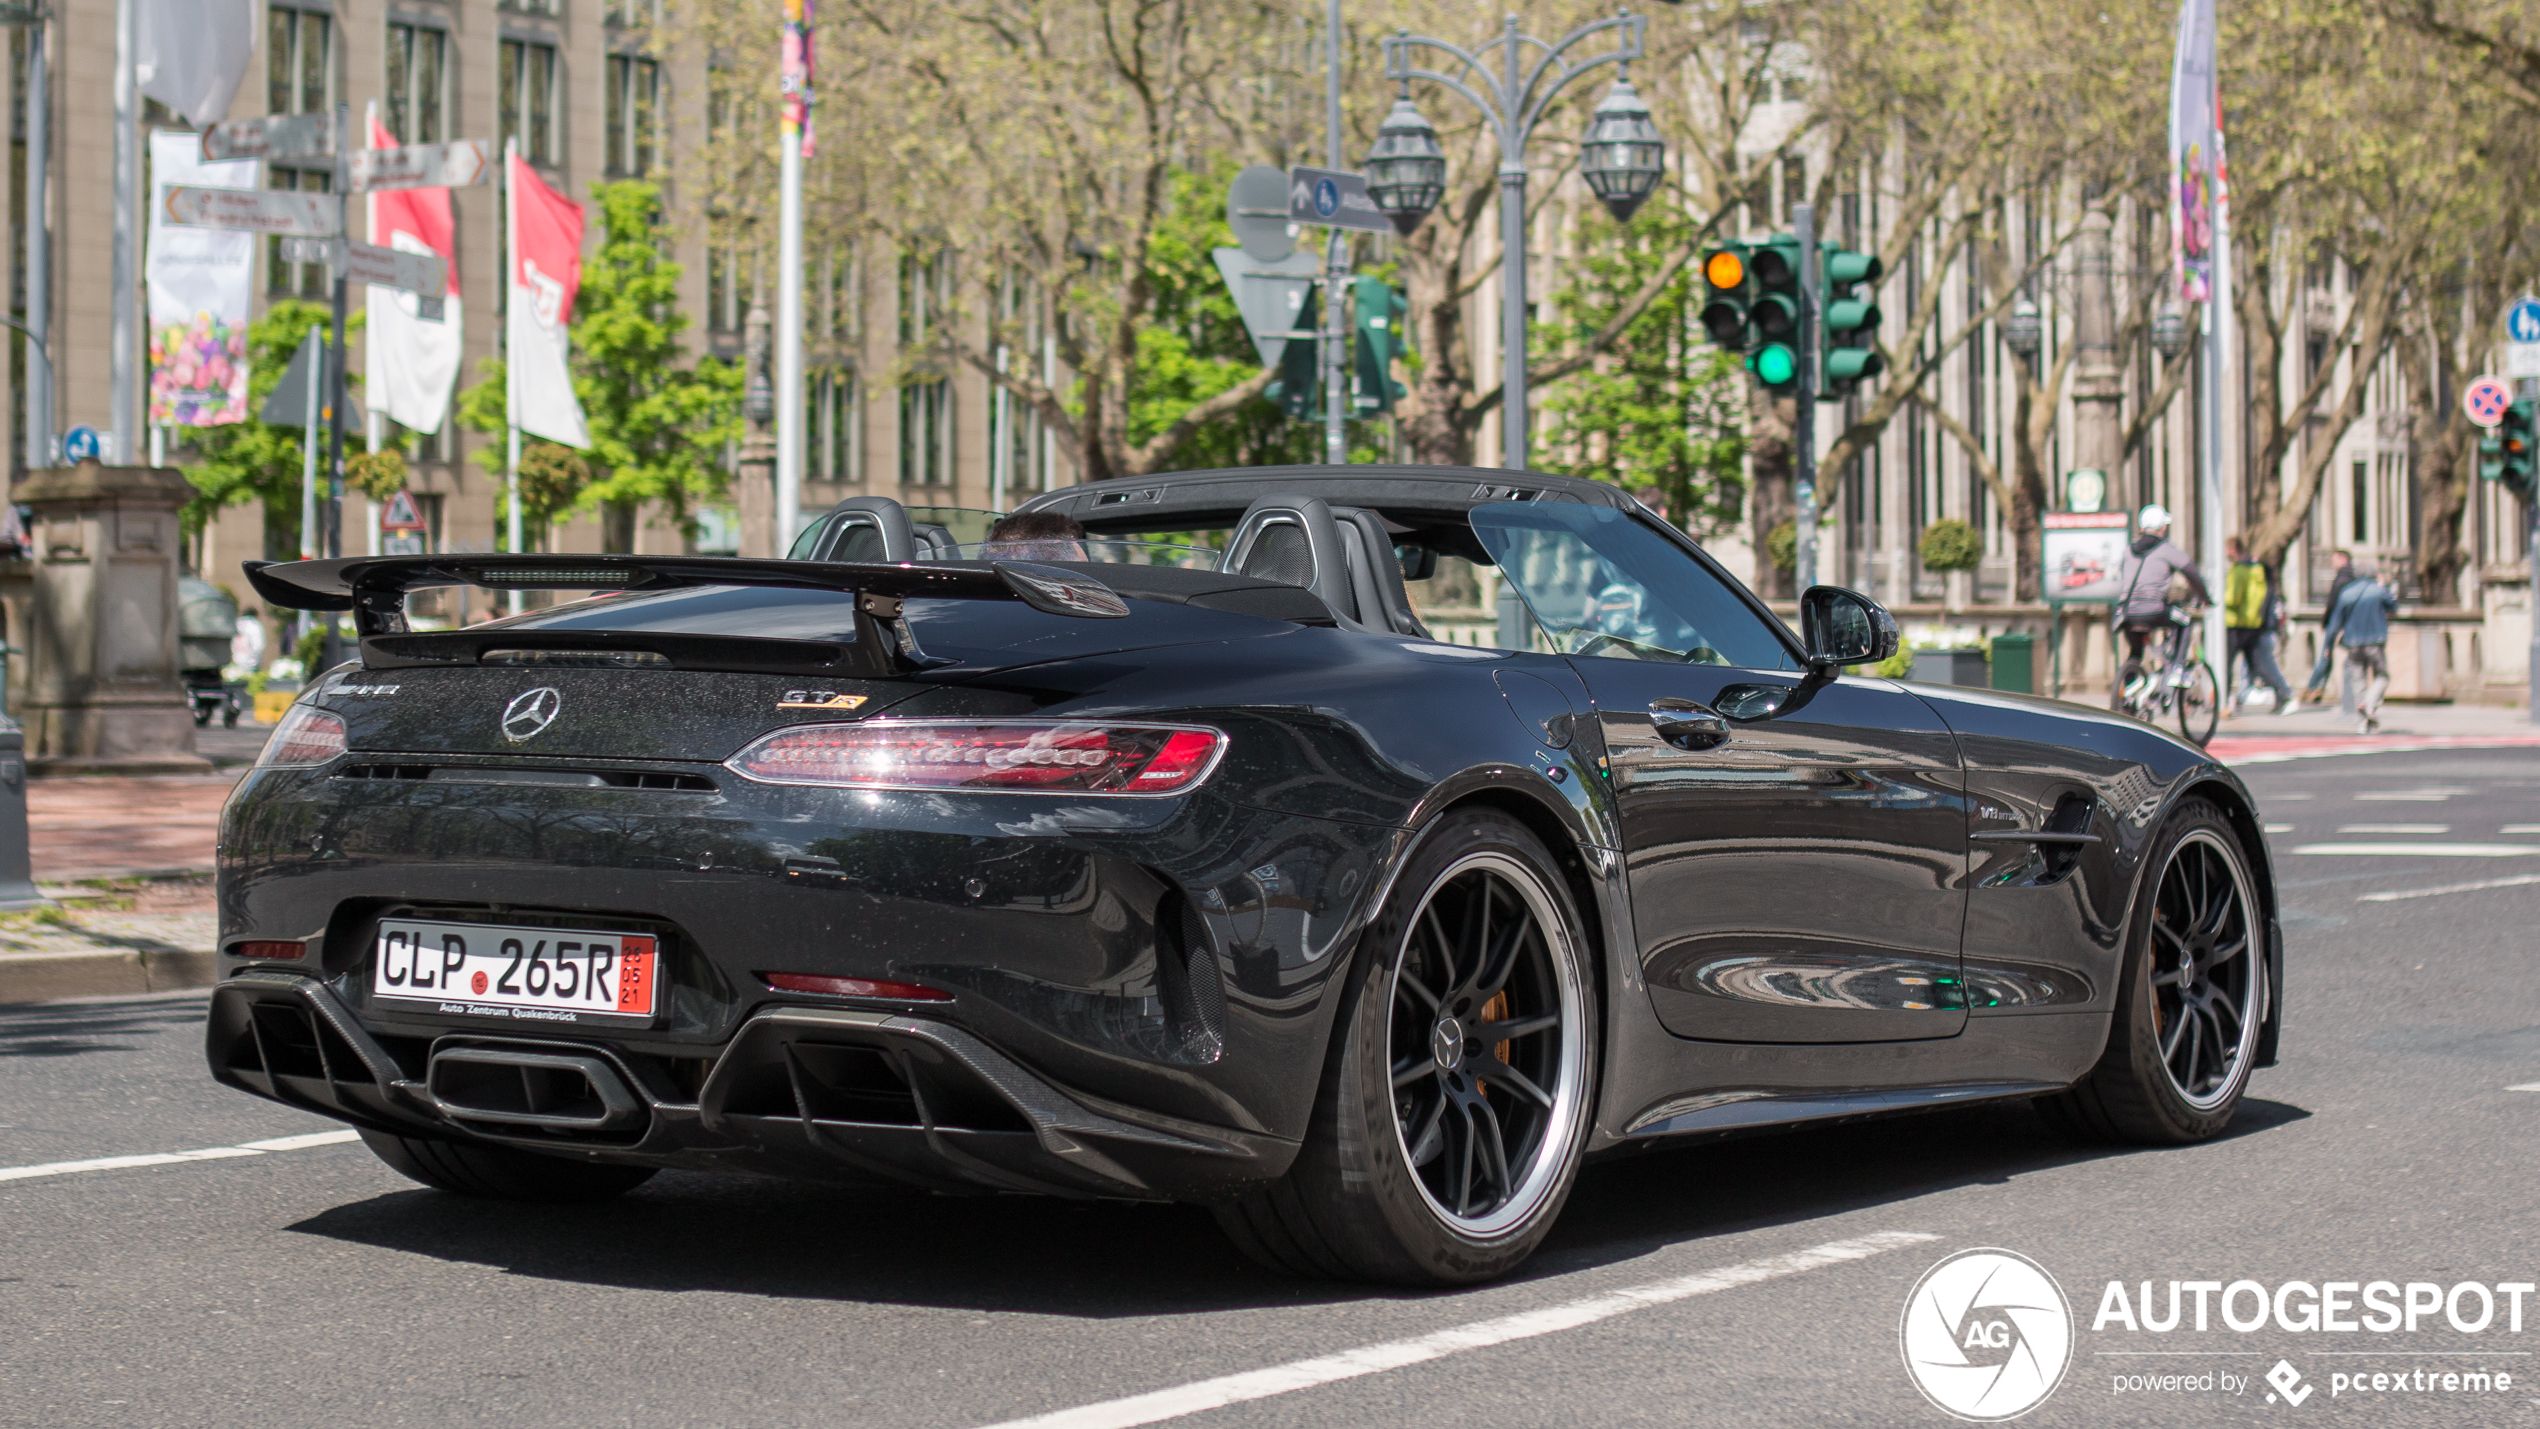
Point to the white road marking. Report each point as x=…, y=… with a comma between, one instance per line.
x=171, y=1158
x=2430, y=850
x=2407, y=796
x=2279, y=828
x=2520, y=829
x=1288, y=1378
x=2394, y=828
x=2396, y=895
x=2525, y=1087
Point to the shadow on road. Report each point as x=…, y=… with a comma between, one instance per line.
x=56, y=1030
x=749, y=1236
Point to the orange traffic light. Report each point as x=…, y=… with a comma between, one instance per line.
x=1724, y=270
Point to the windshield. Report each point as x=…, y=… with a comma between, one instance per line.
x=1095, y=548
x=1601, y=583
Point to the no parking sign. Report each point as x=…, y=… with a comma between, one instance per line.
x=2486, y=401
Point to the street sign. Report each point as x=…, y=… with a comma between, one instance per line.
x=253, y=210
x=1269, y=296
x=401, y=514
x=288, y=404
x=281, y=136
x=1334, y=198
x=2522, y=321
x=2081, y=555
x=1256, y=208
x=422, y=166
x=2485, y=400
x=80, y=444
x=417, y=273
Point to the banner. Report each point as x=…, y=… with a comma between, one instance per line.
x=202, y=286
x=2196, y=162
x=546, y=264
x=410, y=361
x=191, y=54
x=793, y=81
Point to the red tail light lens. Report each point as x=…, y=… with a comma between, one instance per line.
x=270, y=951
x=854, y=987
x=307, y=735
x=1017, y=756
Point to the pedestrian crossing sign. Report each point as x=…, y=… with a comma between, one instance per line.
x=401, y=514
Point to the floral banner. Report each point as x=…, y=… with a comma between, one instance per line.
x=202, y=282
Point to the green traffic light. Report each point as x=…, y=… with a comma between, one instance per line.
x=1774, y=364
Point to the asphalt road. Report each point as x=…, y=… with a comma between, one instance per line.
x=313, y=1286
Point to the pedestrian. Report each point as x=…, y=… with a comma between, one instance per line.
x=2145, y=575
x=2248, y=602
x=2316, y=692
x=2360, y=621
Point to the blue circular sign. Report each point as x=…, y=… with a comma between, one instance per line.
x=1327, y=198
x=80, y=444
x=2522, y=320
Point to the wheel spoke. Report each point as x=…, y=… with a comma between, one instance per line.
x=2172, y=1034
x=2163, y=929
x=1523, y=1085
x=1412, y=1069
x=1494, y=1151
x=1516, y=1027
x=1464, y=1174
x=2217, y=957
x=1431, y=1138
x=1418, y=989
x=2175, y=977
x=1477, y=930
x=1440, y=944
x=1500, y=962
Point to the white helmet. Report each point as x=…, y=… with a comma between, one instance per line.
x=2154, y=517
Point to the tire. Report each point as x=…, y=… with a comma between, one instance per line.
x=2185, y=1033
x=500, y=1172
x=2199, y=705
x=1444, y=1161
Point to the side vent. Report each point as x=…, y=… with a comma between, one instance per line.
x=1193, y=992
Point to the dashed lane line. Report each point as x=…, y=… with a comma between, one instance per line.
x=2384, y=850
x=2399, y=894
x=172, y=1158
x=1288, y=1378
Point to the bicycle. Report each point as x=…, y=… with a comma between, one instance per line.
x=2176, y=679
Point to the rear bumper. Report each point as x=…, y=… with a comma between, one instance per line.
x=822, y=1092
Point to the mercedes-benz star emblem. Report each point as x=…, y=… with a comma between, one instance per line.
x=528, y=716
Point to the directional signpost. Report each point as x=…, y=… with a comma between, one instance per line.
x=253, y=210
x=422, y=166
x=281, y=136
x=1334, y=198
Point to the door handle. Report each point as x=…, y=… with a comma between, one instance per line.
x=1687, y=725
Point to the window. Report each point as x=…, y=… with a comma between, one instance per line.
x=634, y=14
x=299, y=55
x=2363, y=503
x=1599, y=582
x=837, y=426
x=531, y=7
x=415, y=69
x=634, y=86
x=926, y=406
x=295, y=280
x=526, y=105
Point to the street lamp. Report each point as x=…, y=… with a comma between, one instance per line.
x=2023, y=332
x=1621, y=155
x=1406, y=170
x=2169, y=333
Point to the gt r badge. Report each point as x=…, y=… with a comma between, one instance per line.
x=819, y=700
x=529, y=715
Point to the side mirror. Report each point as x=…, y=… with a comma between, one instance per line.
x=1841, y=627
x=1418, y=562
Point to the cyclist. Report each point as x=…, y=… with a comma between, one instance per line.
x=2145, y=577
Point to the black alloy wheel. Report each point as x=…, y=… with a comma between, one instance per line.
x=2191, y=1001
x=1456, y=1097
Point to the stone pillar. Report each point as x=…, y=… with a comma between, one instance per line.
x=102, y=694
x=2098, y=380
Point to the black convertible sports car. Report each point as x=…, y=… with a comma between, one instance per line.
x=1170, y=865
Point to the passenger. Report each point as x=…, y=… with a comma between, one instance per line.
x=1035, y=536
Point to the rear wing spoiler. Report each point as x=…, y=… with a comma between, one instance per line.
x=374, y=588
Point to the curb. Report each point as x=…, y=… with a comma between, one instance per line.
x=49, y=977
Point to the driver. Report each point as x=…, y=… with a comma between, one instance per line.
x=1035, y=536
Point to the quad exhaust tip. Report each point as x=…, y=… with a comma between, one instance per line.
x=573, y=1092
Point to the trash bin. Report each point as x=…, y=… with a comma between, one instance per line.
x=17, y=880
x=1950, y=667
x=2015, y=662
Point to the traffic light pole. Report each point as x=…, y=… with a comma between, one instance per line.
x=1803, y=425
x=2529, y=388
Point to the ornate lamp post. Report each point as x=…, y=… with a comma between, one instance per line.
x=1620, y=157
x=2023, y=334
x=2169, y=334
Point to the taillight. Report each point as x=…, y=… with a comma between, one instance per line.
x=307, y=735
x=854, y=987
x=1017, y=756
x=270, y=950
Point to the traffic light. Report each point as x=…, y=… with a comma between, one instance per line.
x=1773, y=314
x=1379, y=311
x=1298, y=389
x=1724, y=280
x=1848, y=319
x=2517, y=436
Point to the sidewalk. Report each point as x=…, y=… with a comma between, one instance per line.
x=2316, y=730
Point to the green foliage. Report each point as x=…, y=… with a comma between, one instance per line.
x=658, y=427
x=1193, y=346
x=377, y=475
x=1781, y=546
x=1662, y=415
x=254, y=461
x=1950, y=544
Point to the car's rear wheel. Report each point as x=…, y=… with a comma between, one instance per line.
x=2191, y=999
x=1456, y=1097
x=500, y=1172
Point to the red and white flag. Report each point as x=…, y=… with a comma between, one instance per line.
x=411, y=361
x=546, y=273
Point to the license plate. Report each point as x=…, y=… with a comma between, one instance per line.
x=530, y=974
